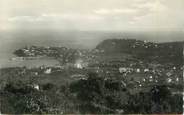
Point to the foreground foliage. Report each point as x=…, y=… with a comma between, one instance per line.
x=92, y=95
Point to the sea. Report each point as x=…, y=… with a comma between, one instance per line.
x=10, y=40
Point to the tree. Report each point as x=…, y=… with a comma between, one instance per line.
x=65, y=55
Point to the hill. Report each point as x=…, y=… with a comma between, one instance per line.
x=170, y=52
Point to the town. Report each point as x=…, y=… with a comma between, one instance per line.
x=123, y=65
x=132, y=65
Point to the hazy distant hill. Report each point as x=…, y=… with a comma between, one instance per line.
x=163, y=52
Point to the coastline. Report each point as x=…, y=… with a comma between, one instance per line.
x=30, y=58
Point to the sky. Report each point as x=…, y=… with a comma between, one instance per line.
x=113, y=15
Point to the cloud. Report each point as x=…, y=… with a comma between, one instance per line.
x=149, y=13
x=115, y=11
x=152, y=6
x=92, y=14
x=55, y=17
x=25, y=19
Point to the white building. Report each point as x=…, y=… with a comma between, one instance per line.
x=146, y=70
x=150, y=78
x=35, y=86
x=169, y=80
x=78, y=65
x=36, y=73
x=48, y=71
x=144, y=79
x=122, y=69
x=138, y=70
x=177, y=79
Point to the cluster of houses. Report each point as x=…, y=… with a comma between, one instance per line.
x=152, y=75
x=144, y=44
x=141, y=72
x=127, y=70
x=33, y=51
x=87, y=60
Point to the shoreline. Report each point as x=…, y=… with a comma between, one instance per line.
x=29, y=58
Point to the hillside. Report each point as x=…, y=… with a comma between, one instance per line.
x=171, y=52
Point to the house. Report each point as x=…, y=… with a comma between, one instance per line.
x=169, y=80
x=138, y=70
x=35, y=86
x=125, y=70
x=150, y=78
x=36, y=73
x=122, y=69
x=177, y=79
x=146, y=70
x=78, y=65
x=48, y=71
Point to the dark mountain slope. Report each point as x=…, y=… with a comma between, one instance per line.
x=171, y=52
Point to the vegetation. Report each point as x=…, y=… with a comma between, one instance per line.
x=93, y=95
